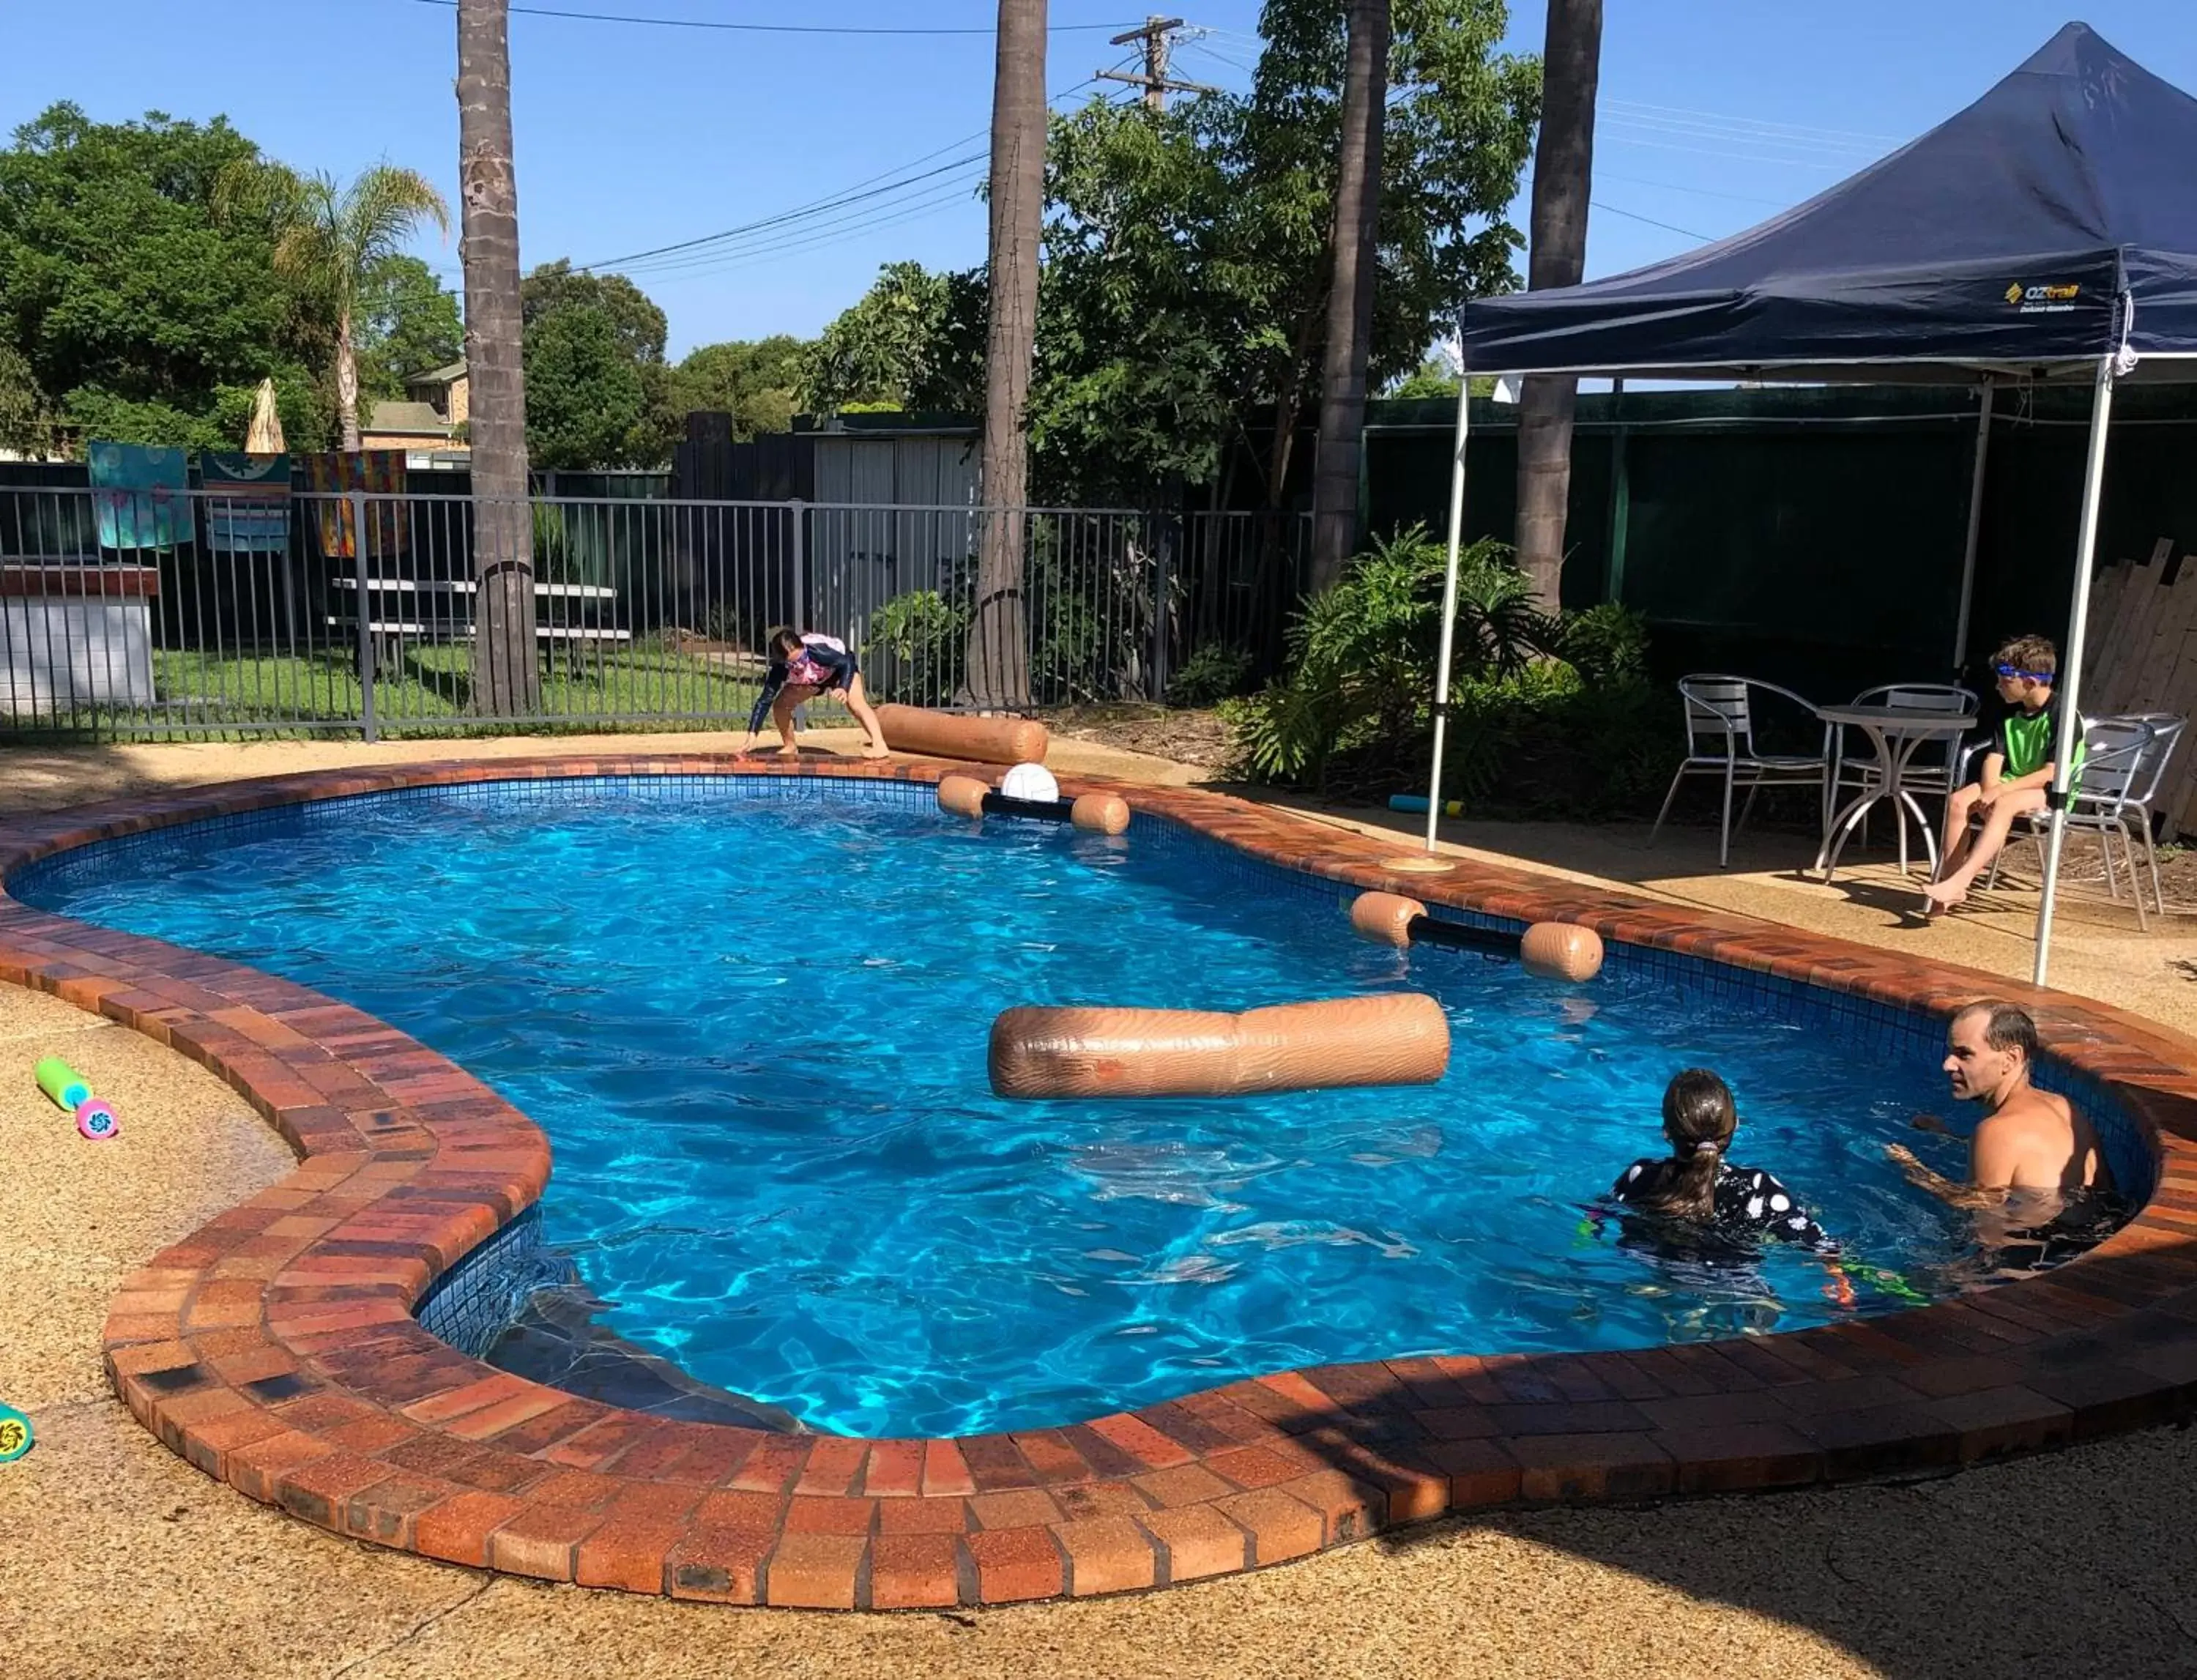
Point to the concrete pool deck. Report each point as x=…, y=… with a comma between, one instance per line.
x=1866, y=1579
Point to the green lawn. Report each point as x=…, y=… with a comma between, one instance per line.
x=425, y=687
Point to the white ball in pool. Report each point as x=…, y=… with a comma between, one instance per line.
x=1030, y=781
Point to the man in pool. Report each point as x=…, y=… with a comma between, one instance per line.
x=2033, y=1153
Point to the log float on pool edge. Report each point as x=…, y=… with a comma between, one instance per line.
x=1553, y=950
x=983, y=740
x=1039, y=1052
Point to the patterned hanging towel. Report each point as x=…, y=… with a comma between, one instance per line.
x=143, y=493
x=377, y=472
x=247, y=502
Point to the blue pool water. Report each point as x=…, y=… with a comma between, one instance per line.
x=754, y=1029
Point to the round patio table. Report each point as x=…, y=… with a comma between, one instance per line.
x=1897, y=733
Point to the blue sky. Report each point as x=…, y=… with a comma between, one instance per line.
x=1715, y=114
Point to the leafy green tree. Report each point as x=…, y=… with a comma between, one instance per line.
x=126, y=301
x=914, y=340
x=755, y=382
x=1187, y=263
x=330, y=240
x=599, y=393
x=408, y=323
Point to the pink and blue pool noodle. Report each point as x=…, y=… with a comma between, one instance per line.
x=72, y=1092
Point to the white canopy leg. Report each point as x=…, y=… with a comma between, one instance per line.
x=1449, y=604
x=2065, y=693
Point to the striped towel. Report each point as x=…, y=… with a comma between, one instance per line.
x=143, y=494
x=247, y=502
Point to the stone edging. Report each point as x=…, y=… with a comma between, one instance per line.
x=276, y=1348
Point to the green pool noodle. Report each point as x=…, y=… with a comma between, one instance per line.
x=14, y=1433
x=62, y=1082
x=1891, y=1282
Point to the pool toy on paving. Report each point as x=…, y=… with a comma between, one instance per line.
x=14, y=1433
x=1552, y=950
x=966, y=796
x=983, y=740
x=1418, y=802
x=72, y=1092
x=1038, y=1052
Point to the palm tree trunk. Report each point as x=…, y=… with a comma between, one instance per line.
x=1350, y=298
x=347, y=384
x=1563, y=179
x=506, y=683
x=999, y=644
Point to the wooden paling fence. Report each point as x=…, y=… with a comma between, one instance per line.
x=2142, y=658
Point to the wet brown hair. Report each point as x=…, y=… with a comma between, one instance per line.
x=784, y=640
x=2006, y=1027
x=1699, y=1118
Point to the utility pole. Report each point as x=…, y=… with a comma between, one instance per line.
x=1154, y=35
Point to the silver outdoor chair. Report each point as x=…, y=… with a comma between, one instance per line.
x=1923, y=774
x=1720, y=742
x=2124, y=760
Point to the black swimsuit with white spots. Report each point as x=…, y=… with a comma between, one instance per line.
x=1748, y=1204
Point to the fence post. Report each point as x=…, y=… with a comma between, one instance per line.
x=1162, y=595
x=357, y=500
x=798, y=510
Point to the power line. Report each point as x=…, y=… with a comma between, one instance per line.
x=843, y=199
x=1761, y=122
x=769, y=28
x=1635, y=216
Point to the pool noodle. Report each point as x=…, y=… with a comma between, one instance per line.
x=1417, y=802
x=15, y=1434
x=68, y=1088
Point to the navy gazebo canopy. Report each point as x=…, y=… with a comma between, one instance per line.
x=2046, y=234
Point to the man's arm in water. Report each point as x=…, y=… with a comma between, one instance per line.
x=1938, y=1185
x=1930, y=1122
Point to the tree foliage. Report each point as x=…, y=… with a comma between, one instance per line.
x=409, y=323
x=914, y=340
x=129, y=304
x=1181, y=312
x=599, y=393
x=755, y=382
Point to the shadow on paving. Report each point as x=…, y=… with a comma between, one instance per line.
x=1953, y=1541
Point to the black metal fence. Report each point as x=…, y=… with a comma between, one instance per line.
x=201, y=612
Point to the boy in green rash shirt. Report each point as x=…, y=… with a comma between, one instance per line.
x=2016, y=771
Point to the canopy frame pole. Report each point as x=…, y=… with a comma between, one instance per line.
x=2067, y=693
x=1975, y=530
x=1449, y=602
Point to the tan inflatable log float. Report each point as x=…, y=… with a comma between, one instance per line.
x=1552, y=950
x=981, y=740
x=1561, y=951
x=1100, y=813
x=1402, y=1039
x=961, y=795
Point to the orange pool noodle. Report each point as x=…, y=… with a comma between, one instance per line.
x=1402, y=1039
x=962, y=796
x=1385, y=918
x=1561, y=951
x=982, y=740
x=1101, y=813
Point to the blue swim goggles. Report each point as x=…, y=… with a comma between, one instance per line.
x=2027, y=676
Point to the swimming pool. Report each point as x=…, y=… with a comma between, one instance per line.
x=750, y=1016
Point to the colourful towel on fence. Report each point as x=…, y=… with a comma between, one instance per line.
x=247, y=503
x=143, y=494
x=377, y=472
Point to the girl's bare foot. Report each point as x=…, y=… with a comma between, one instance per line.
x=879, y=751
x=787, y=752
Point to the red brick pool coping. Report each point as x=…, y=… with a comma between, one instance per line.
x=276, y=1348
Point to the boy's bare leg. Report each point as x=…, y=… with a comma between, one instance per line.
x=1953, y=846
x=1953, y=886
x=858, y=702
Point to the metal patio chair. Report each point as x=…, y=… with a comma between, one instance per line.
x=1720, y=721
